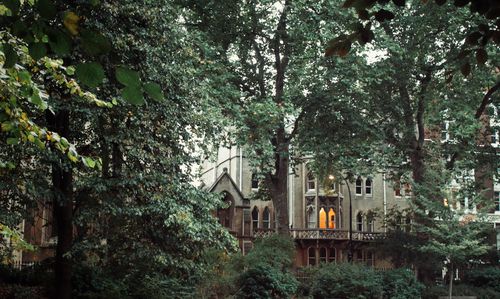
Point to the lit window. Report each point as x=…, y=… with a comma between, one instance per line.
x=255, y=218
x=311, y=182
x=368, y=186
x=266, y=219
x=322, y=218
x=312, y=256
x=322, y=255
x=255, y=181
x=331, y=218
x=359, y=222
x=359, y=186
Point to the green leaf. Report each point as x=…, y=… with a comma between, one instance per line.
x=24, y=76
x=90, y=74
x=37, y=50
x=13, y=5
x=12, y=140
x=37, y=100
x=89, y=162
x=5, y=11
x=128, y=77
x=46, y=8
x=11, y=56
x=154, y=91
x=133, y=95
x=60, y=43
x=95, y=43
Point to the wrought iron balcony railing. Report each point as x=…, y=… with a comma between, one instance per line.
x=325, y=234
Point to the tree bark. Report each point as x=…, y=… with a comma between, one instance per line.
x=280, y=182
x=281, y=49
x=62, y=183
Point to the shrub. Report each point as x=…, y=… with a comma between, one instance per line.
x=275, y=250
x=435, y=292
x=401, y=284
x=268, y=273
x=484, y=277
x=346, y=281
x=265, y=281
x=305, y=277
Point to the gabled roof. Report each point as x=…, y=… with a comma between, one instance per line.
x=225, y=179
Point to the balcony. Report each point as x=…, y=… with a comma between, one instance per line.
x=324, y=234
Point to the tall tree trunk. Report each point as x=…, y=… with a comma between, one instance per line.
x=280, y=182
x=281, y=49
x=62, y=181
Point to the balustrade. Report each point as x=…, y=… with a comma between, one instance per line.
x=324, y=234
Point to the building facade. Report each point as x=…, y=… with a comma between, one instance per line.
x=319, y=210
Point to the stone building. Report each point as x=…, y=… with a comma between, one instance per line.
x=318, y=210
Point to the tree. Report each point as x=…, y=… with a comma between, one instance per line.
x=140, y=206
x=404, y=94
x=485, y=12
x=277, y=63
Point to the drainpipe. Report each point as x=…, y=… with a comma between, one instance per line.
x=241, y=169
x=290, y=199
x=385, y=201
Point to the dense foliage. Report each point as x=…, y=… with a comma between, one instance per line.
x=265, y=272
x=357, y=281
x=106, y=107
x=127, y=218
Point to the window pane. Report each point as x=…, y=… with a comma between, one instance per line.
x=255, y=218
x=322, y=218
x=255, y=181
x=497, y=201
x=359, y=222
x=331, y=255
x=368, y=186
x=322, y=255
x=266, y=219
x=359, y=188
x=312, y=256
x=331, y=218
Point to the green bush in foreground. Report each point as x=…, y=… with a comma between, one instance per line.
x=346, y=281
x=401, y=284
x=357, y=281
x=487, y=277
